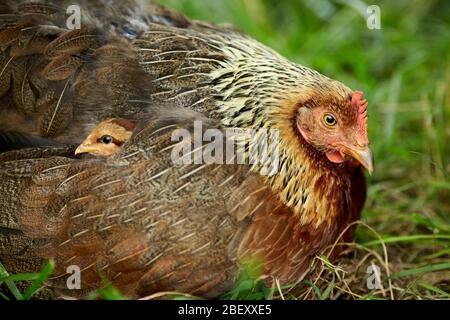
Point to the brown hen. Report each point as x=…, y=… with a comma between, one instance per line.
x=136, y=217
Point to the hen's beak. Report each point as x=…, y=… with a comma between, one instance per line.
x=85, y=149
x=362, y=154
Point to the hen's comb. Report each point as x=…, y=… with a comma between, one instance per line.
x=361, y=105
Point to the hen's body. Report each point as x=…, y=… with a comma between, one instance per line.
x=134, y=217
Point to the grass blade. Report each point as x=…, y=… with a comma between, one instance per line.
x=420, y=270
x=10, y=284
x=412, y=238
x=315, y=288
x=20, y=277
x=42, y=276
x=434, y=289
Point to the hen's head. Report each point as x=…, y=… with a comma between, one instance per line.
x=337, y=128
x=322, y=141
x=107, y=137
x=309, y=110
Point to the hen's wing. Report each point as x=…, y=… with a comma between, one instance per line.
x=134, y=218
x=147, y=223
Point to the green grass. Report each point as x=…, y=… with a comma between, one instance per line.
x=404, y=70
x=36, y=279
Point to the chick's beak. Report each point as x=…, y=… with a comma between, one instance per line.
x=362, y=154
x=82, y=148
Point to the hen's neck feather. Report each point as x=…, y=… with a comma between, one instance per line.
x=259, y=89
x=246, y=85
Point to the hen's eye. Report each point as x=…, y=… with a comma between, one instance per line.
x=106, y=139
x=329, y=120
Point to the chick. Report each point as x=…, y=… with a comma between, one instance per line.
x=107, y=137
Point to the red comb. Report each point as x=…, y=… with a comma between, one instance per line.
x=361, y=105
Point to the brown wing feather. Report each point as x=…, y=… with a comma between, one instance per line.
x=276, y=238
x=119, y=218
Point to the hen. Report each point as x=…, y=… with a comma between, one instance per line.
x=136, y=217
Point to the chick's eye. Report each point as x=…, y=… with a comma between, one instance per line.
x=329, y=120
x=106, y=139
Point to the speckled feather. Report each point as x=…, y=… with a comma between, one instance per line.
x=136, y=212
x=144, y=223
